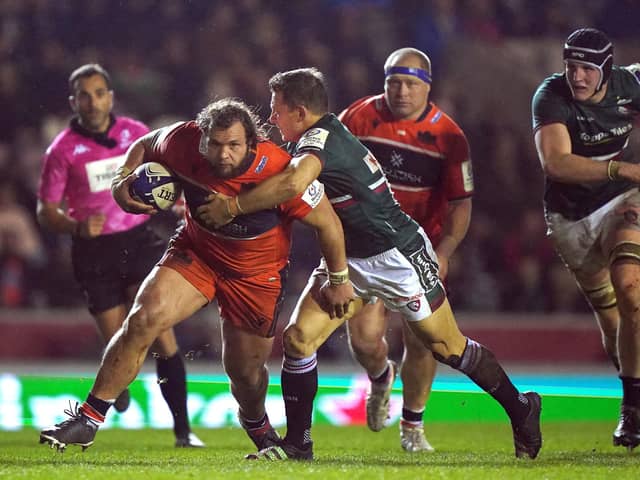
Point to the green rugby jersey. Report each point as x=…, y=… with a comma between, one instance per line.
x=599, y=131
x=358, y=190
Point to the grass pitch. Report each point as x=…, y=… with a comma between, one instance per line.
x=463, y=450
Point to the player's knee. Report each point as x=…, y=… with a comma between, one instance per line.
x=244, y=377
x=295, y=344
x=144, y=322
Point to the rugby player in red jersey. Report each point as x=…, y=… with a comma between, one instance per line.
x=243, y=265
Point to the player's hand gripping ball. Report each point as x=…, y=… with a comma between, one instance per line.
x=155, y=185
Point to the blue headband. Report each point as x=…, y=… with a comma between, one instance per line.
x=416, y=72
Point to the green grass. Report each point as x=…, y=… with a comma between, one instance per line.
x=575, y=450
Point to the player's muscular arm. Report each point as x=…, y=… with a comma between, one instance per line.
x=331, y=238
x=135, y=156
x=302, y=170
x=454, y=230
x=553, y=144
x=52, y=217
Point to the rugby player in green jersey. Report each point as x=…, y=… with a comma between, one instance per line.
x=582, y=120
x=389, y=257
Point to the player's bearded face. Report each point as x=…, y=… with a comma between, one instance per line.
x=406, y=96
x=227, y=151
x=92, y=102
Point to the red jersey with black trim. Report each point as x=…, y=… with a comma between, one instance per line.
x=426, y=161
x=252, y=243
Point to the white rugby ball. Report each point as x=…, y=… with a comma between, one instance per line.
x=155, y=185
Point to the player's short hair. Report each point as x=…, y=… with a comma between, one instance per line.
x=223, y=113
x=591, y=47
x=88, y=70
x=305, y=87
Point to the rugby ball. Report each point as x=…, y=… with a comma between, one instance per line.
x=155, y=185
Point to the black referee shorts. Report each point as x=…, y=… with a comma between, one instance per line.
x=105, y=266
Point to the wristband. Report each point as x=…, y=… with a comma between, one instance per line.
x=339, y=278
x=613, y=167
x=228, y=204
x=240, y=211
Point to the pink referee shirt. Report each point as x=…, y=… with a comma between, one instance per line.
x=78, y=172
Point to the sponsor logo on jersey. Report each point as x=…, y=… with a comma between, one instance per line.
x=315, y=138
x=101, y=172
x=261, y=164
x=80, y=149
x=313, y=194
x=436, y=117
x=396, y=159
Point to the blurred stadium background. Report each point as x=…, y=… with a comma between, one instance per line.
x=168, y=58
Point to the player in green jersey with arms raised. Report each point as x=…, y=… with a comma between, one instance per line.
x=582, y=120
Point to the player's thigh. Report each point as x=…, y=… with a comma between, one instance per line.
x=369, y=324
x=166, y=298
x=252, y=303
x=439, y=332
x=310, y=325
x=244, y=353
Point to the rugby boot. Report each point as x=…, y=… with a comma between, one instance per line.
x=264, y=437
x=283, y=451
x=627, y=433
x=412, y=438
x=77, y=430
x=378, y=400
x=123, y=401
x=527, y=437
x=190, y=440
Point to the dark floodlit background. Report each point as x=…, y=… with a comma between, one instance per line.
x=169, y=58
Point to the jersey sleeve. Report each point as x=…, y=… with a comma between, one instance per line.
x=164, y=144
x=459, y=170
x=313, y=142
x=548, y=107
x=53, y=179
x=300, y=206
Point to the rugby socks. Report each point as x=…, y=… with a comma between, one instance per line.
x=255, y=428
x=411, y=417
x=481, y=366
x=383, y=376
x=630, y=391
x=172, y=379
x=95, y=409
x=299, y=381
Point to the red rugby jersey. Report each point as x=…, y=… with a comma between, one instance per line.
x=426, y=161
x=251, y=243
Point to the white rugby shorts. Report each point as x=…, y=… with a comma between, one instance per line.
x=579, y=243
